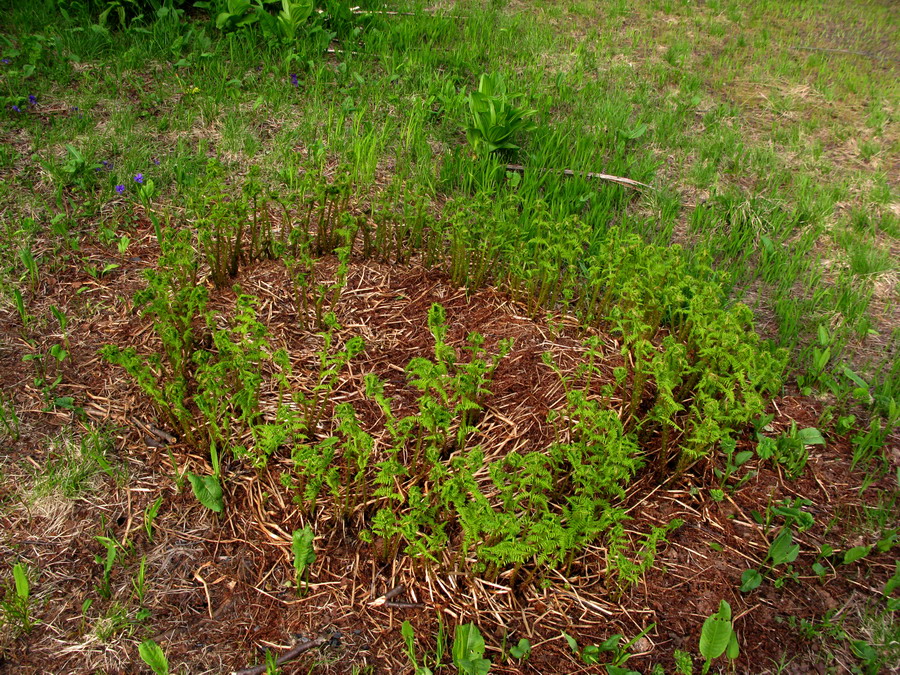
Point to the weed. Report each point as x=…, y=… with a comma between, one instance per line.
x=153, y=655
x=717, y=637
x=304, y=556
x=17, y=600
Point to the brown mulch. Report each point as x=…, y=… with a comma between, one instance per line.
x=217, y=587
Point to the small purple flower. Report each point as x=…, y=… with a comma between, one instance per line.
x=295, y=80
x=5, y=62
x=32, y=99
x=120, y=189
x=16, y=108
x=139, y=178
x=156, y=161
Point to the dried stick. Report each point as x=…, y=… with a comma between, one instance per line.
x=587, y=174
x=291, y=653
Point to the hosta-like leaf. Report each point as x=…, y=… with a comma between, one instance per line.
x=734, y=649
x=23, y=588
x=468, y=647
x=810, y=436
x=855, y=553
x=207, y=491
x=750, y=580
x=783, y=550
x=716, y=633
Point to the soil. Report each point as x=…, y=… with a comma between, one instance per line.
x=217, y=587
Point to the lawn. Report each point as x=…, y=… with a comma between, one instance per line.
x=509, y=337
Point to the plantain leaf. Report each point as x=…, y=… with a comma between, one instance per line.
x=207, y=491
x=855, y=553
x=734, y=649
x=750, y=580
x=23, y=588
x=716, y=633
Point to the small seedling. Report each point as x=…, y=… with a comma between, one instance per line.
x=717, y=637
x=304, y=556
x=207, y=490
x=152, y=654
x=17, y=605
x=468, y=651
x=140, y=581
x=522, y=650
x=108, y=561
x=150, y=514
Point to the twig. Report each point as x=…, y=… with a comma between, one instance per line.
x=393, y=593
x=292, y=653
x=587, y=174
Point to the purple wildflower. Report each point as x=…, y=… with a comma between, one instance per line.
x=16, y=108
x=32, y=99
x=156, y=161
x=139, y=178
x=295, y=80
x=4, y=61
x=120, y=189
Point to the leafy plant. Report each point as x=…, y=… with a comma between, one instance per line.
x=468, y=650
x=290, y=19
x=304, y=556
x=493, y=119
x=9, y=418
x=782, y=551
x=717, y=637
x=16, y=604
x=108, y=562
x=521, y=650
x=237, y=14
x=150, y=514
x=590, y=654
x=207, y=490
x=153, y=655
x=733, y=461
x=789, y=449
x=140, y=581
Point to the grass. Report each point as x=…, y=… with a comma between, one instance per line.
x=211, y=205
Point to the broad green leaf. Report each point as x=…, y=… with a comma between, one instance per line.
x=611, y=643
x=855, y=553
x=893, y=582
x=468, y=647
x=302, y=548
x=522, y=650
x=750, y=580
x=716, y=633
x=742, y=457
x=23, y=588
x=573, y=643
x=153, y=656
x=810, y=436
x=782, y=549
x=619, y=670
x=734, y=649
x=207, y=490
x=857, y=380
x=590, y=655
